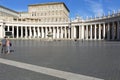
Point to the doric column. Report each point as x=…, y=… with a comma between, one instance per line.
x=113, y=35
x=104, y=30
x=53, y=32
x=17, y=31
x=46, y=32
x=69, y=32
x=8, y=28
x=34, y=32
x=21, y=31
x=65, y=32
x=79, y=32
x=38, y=30
x=30, y=32
x=42, y=31
x=99, y=31
x=118, y=32
x=3, y=30
x=83, y=31
x=75, y=32
x=91, y=32
x=57, y=32
x=108, y=31
x=61, y=32
x=13, y=31
x=26, y=32
x=95, y=32
x=72, y=32
x=87, y=32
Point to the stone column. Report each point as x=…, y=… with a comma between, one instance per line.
x=72, y=32
x=34, y=31
x=26, y=33
x=104, y=31
x=8, y=28
x=30, y=32
x=13, y=32
x=113, y=35
x=3, y=29
x=21, y=31
x=83, y=32
x=108, y=32
x=46, y=32
x=38, y=30
x=17, y=31
x=61, y=32
x=68, y=32
x=75, y=32
x=42, y=32
x=79, y=32
x=57, y=32
x=95, y=33
x=99, y=31
x=91, y=32
x=65, y=32
x=118, y=30
x=87, y=32
x=36, y=34
x=53, y=32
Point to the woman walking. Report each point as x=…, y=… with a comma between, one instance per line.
x=8, y=43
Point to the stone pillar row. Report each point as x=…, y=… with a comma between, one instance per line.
x=99, y=31
x=58, y=32
x=108, y=31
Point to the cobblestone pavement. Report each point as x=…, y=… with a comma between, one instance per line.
x=100, y=59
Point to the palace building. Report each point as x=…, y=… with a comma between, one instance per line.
x=42, y=20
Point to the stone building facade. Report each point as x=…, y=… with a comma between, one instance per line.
x=53, y=18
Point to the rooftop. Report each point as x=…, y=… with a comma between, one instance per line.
x=50, y=3
x=8, y=9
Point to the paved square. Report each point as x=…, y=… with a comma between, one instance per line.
x=98, y=59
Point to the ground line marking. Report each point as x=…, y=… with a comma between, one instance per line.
x=48, y=71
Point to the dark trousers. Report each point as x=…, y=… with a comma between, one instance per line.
x=3, y=50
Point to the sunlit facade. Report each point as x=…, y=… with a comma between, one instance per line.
x=42, y=20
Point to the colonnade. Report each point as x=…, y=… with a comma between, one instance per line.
x=86, y=31
x=56, y=32
x=97, y=31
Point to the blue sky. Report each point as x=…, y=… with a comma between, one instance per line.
x=82, y=8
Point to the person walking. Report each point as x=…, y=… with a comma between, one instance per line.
x=3, y=49
x=8, y=44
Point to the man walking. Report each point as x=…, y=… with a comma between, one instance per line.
x=3, y=49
